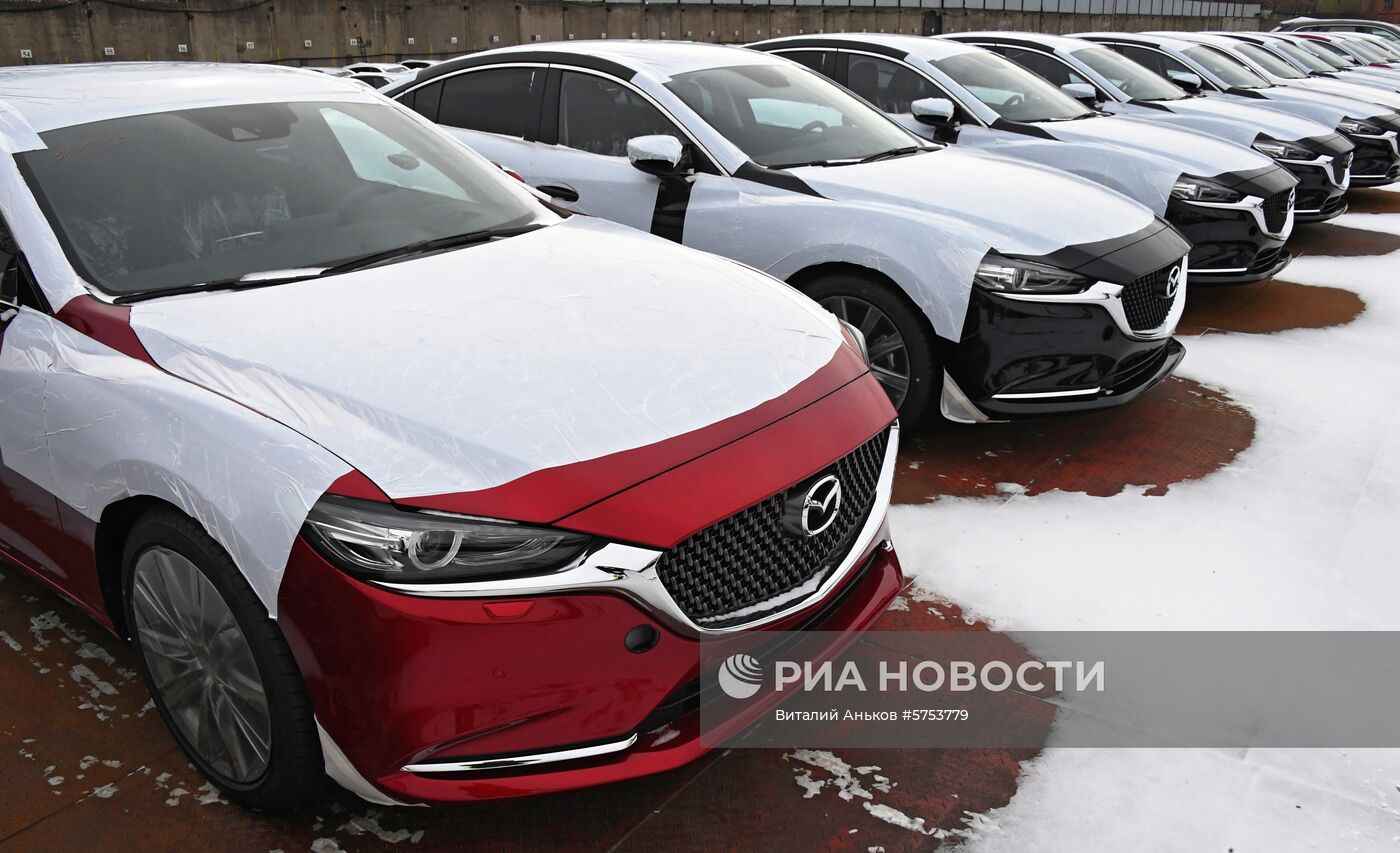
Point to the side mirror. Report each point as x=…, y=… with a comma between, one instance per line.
x=932, y=111
x=1081, y=92
x=1186, y=80
x=661, y=156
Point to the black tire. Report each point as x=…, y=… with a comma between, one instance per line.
x=294, y=769
x=925, y=369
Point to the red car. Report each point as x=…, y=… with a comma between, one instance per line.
x=390, y=469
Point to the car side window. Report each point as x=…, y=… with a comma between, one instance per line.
x=17, y=285
x=817, y=60
x=425, y=100
x=1044, y=65
x=1159, y=63
x=493, y=100
x=888, y=85
x=599, y=115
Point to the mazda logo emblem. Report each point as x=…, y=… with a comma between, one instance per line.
x=1173, y=282
x=809, y=511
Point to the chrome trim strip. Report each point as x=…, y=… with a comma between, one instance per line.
x=1109, y=297
x=1323, y=162
x=509, y=762
x=1044, y=395
x=630, y=571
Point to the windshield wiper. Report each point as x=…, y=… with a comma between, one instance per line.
x=275, y=277
x=422, y=247
x=894, y=152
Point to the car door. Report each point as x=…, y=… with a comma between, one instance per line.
x=581, y=157
x=30, y=531
x=894, y=87
x=493, y=110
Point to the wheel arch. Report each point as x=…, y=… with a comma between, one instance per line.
x=109, y=544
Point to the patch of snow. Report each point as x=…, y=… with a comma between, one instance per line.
x=1294, y=534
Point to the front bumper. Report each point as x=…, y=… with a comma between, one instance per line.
x=467, y=692
x=1031, y=356
x=1377, y=159
x=1230, y=244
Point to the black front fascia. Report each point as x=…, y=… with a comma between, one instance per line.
x=1263, y=182
x=1121, y=260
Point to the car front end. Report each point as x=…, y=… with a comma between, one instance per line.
x=1101, y=317
x=1237, y=223
x=582, y=667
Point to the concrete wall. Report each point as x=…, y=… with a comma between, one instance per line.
x=332, y=32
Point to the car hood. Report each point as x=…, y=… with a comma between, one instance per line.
x=1013, y=206
x=1390, y=100
x=1319, y=104
x=1197, y=154
x=469, y=369
x=1272, y=123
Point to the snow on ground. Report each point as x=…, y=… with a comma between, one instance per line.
x=1297, y=533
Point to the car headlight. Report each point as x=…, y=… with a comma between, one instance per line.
x=372, y=540
x=859, y=337
x=1199, y=189
x=1013, y=275
x=1356, y=125
x=1282, y=150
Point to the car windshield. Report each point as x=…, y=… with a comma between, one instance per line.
x=1302, y=57
x=1013, y=92
x=1337, y=55
x=171, y=200
x=1267, y=61
x=1365, y=50
x=783, y=116
x=1230, y=71
x=1135, y=80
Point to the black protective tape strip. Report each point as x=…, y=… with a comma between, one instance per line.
x=751, y=171
x=672, y=200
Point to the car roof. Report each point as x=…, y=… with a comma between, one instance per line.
x=1141, y=38
x=660, y=58
x=1051, y=41
x=925, y=48
x=45, y=97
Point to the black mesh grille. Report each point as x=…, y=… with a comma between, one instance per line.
x=747, y=559
x=1276, y=210
x=1145, y=302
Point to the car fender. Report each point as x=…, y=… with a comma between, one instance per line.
x=93, y=426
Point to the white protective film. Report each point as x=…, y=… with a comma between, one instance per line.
x=94, y=426
x=1139, y=158
x=468, y=369
x=1240, y=123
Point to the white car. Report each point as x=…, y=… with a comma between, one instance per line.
x=333, y=420
x=986, y=287
x=1233, y=204
x=377, y=68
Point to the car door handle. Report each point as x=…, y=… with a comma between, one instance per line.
x=563, y=192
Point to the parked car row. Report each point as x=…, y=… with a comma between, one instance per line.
x=368, y=419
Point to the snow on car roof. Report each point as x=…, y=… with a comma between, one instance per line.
x=660, y=58
x=50, y=96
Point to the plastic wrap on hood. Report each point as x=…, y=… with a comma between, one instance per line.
x=93, y=426
x=1241, y=124
x=460, y=382
x=1145, y=178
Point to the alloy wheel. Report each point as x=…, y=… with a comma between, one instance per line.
x=889, y=356
x=201, y=665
